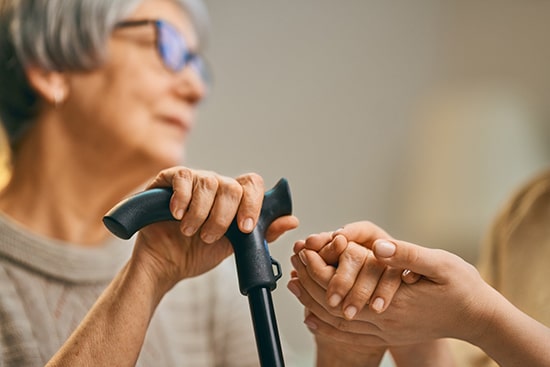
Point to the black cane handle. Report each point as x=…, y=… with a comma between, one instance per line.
x=254, y=264
x=135, y=212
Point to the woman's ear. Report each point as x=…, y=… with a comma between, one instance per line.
x=52, y=86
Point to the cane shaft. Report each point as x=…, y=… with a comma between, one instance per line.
x=265, y=328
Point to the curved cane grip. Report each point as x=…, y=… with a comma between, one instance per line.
x=135, y=212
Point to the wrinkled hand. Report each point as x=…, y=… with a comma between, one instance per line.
x=205, y=204
x=450, y=299
x=351, y=274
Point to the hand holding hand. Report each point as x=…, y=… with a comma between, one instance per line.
x=351, y=274
x=450, y=300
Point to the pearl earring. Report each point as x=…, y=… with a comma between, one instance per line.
x=58, y=97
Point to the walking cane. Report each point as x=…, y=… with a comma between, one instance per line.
x=256, y=270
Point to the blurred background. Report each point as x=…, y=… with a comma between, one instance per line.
x=422, y=116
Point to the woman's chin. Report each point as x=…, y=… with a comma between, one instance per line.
x=155, y=159
x=171, y=157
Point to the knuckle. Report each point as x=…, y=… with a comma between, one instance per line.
x=298, y=245
x=215, y=224
x=195, y=216
x=183, y=173
x=386, y=289
x=251, y=179
x=450, y=262
x=472, y=269
x=316, y=273
x=412, y=256
x=342, y=324
x=367, y=224
x=311, y=237
x=208, y=182
x=311, y=240
x=341, y=284
x=354, y=256
x=339, y=243
x=362, y=293
x=234, y=190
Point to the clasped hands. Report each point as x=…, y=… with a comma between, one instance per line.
x=362, y=288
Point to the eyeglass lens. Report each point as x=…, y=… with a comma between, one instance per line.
x=175, y=52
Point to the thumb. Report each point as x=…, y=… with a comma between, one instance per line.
x=421, y=260
x=279, y=226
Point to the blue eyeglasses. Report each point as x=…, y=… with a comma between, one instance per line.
x=171, y=46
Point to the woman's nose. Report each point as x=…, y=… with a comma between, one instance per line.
x=191, y=85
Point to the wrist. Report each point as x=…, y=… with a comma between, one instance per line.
x=481, y=317
x=433, y=353
x=158, y=261
x=151, y=275
x=333, y=354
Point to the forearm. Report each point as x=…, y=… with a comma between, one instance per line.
x=113, y=331
x=429, y=354
x=512, y=338
x=331, y=354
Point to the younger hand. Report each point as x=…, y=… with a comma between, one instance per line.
x=349, y=272
x=450, y=300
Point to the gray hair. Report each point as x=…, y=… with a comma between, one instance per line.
x=58, y=35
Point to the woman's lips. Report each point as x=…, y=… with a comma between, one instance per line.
x=180, y=122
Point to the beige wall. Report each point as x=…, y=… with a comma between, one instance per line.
x=418, y=115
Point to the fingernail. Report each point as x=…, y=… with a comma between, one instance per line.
x=384, y=248
x=294, y=289
x=334, y=300
x=406, y=272
x=303, y=257
x=188, y=231
x=179, y=214
x=294, y=261
x=350, y=311
x=248, y=224
x=209, y=238
x=378, y=304
x=310, y=324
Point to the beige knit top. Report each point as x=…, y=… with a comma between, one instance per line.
x=46, y=288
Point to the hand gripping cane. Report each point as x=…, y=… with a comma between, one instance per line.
x=255, y=267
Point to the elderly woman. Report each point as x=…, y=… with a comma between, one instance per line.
x=97, y=97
